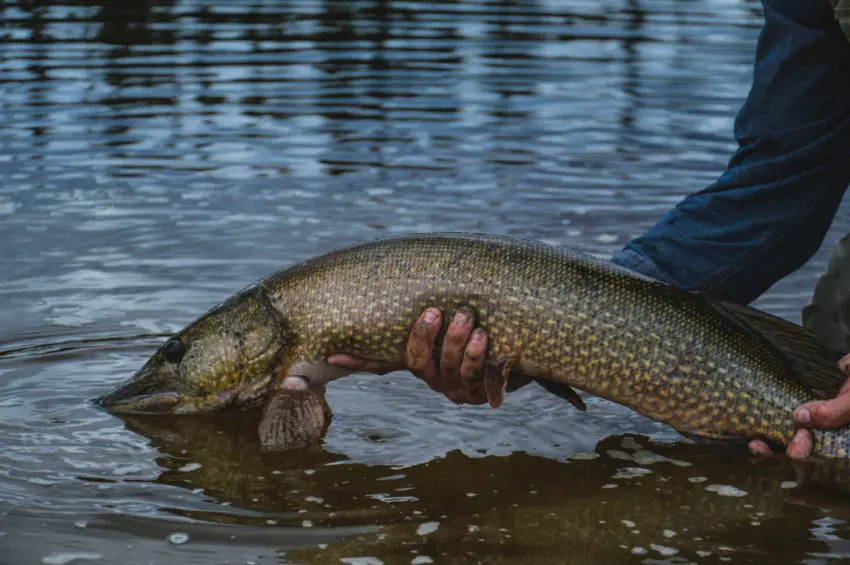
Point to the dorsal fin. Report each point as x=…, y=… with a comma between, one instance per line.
x=810, y=363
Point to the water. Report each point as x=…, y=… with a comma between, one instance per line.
x=158, y=156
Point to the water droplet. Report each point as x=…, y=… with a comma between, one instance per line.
x=664, y=550
x=426, y=528
x=178, y=538
x=726, y=490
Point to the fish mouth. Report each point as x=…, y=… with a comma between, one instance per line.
x=140, y=396
x=143, y=393
x=157, y=403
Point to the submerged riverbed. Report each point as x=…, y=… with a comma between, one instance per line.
x=155, y=157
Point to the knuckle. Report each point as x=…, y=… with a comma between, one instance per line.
x=457, y=335
x=832, y=413
x=473, y=357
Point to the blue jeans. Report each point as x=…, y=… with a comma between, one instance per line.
x=768, y=213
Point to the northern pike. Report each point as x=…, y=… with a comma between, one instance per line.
x=565, y=319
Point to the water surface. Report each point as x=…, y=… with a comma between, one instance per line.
x=155, y=157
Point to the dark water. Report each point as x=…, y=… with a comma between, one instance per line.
x=157, y=156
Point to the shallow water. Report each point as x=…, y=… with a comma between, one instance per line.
x=157, y=156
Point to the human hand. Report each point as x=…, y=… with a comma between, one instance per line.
x=832, y=413
x=460, y=358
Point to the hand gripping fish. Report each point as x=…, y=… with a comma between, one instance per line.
x=569, y=321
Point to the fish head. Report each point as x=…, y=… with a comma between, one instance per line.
x=226, y=358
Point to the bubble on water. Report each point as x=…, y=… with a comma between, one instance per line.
x=63, y=558
x=421, y=560
x=638, y=550
x=628, y=523
x=697, y=479
x=361, y=560
x=81, y=524
x=426, y=528
x=789, y=484
x=189, y=467
x=307, y=524
x=631, y=473
x=664, y=550
x=178, y=538
x=726, y=490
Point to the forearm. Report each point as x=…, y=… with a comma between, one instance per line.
x=769, y=211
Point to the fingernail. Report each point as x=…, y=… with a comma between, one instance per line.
x=430, y=316
x=477, y=336
x=803, y=416
x=461, y=318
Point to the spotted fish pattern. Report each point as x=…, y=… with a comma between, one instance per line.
x=706, y=368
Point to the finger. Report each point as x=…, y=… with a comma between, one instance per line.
x=473, y=355
x=419, y=353
x=844, y=365
x=832, y=413
x=760, y=448
x=801, y=446
x=346, y=361
x=454, y=343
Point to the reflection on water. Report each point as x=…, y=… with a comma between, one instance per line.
x=156, y=156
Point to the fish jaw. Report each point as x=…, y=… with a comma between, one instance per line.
x=131, y=398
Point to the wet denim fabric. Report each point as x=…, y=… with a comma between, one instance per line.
x=768, y=213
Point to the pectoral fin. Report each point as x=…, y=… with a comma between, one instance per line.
x=496, y=375
x=563, y=391
x=295, y=415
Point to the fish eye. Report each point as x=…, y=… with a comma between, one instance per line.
x=174, y=351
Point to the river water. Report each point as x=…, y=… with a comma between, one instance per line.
x=156, y=156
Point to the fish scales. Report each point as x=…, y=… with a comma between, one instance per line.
x=567, y=317
x=706, y=368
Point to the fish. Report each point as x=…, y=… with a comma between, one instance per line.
x=571, y=321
